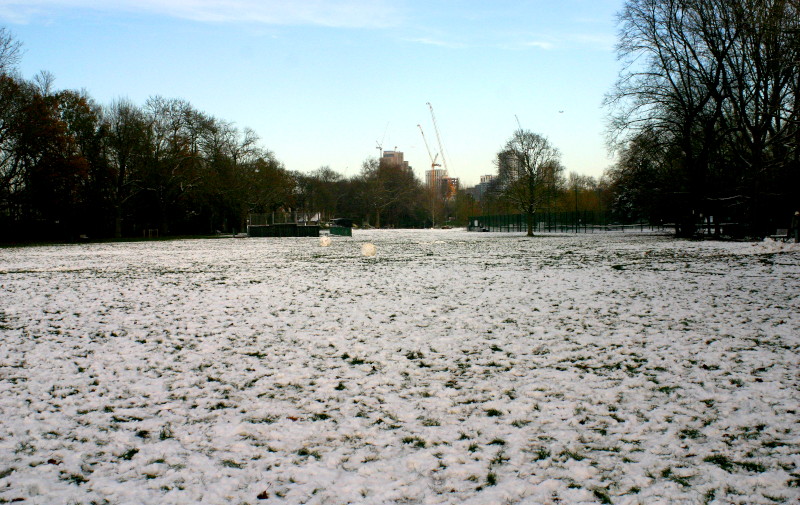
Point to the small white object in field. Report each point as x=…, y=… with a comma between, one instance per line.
x=368, y=249
x=324, y=241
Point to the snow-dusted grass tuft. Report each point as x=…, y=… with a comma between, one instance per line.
x=453, y=368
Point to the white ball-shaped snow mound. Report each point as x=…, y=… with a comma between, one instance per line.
x=324, y=241
x=368, y=249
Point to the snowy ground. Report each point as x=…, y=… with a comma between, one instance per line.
x=450, y=368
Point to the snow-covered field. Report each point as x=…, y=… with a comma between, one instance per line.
x=449, y=368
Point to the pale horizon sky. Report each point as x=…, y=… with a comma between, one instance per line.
x=323, y=82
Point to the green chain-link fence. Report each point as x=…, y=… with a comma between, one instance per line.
x=555, y=222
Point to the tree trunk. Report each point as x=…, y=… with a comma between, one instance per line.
x=118, y=223
x=529, y=220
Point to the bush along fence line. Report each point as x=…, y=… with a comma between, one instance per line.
x=558, y=222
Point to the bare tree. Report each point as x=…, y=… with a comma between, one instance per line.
x=10, y=51
x=44, y=81
x=527, y=168
x=716, y=79
x=127, y=133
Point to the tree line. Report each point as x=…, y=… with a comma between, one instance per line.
x=704, y=120
x=705, y=114
x=70, y=167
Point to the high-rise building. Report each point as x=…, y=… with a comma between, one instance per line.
x=433, y=178
x=482, y=189
x=395, y=158
x=441, y=183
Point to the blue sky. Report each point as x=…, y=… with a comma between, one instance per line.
x=322, y=82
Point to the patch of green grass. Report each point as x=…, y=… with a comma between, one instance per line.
x=229, y=463
x=125, y=419
x=690, y=433
x=74, y=478
x=305, y=452
x=129, y=454
x=415, y=441
x=24, y=447
x=320, y=416
x=752, y=466
x=499, y=458
x=573, y=455
x=601, y=495
x=667, y=474
x=494, y=413
x=728, y=464
x=262, y=420
x=491, y=479
x=721, y=461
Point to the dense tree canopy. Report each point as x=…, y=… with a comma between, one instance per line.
x=707, y=102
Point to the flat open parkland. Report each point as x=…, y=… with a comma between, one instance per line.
x=449, y=368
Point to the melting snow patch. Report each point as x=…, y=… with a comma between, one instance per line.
x=496, y=370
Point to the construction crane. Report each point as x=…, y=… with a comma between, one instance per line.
x=433, y=158
x=439, y=141
x=380, y=144
x=432, y=181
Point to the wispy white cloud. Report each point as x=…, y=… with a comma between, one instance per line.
x=540, y=44
x=436, y=42
x=598, y=40
x=564, y=40
x=333, y=13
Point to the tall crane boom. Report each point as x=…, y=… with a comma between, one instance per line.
x=439, y=140
x=433, y=158
x=432, y=179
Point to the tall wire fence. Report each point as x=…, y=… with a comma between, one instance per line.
x=557, y=222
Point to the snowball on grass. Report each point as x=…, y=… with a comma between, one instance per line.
x=368, y=249
x=324, y=241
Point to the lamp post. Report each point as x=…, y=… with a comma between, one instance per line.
x=577, y=221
